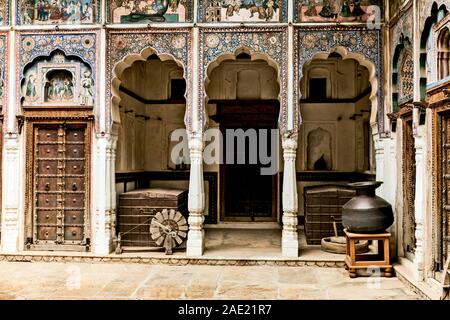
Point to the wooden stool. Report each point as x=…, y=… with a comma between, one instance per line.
x=380, y=260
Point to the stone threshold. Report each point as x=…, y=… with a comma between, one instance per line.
x=177, y=260
x=429, y=290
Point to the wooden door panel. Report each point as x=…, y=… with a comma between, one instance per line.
x=74, y=184
x=75, y=151
x=47, y=167
x=73, y=217
x=46, y=233
x=45, y=217
x=444, y=219
x=48, y=151
x=75, y=167
x=74, y=200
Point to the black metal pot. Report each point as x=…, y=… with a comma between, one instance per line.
x=366, y=212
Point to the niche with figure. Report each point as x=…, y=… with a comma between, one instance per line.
x=59, y=86
x=319, y=150
x=58, y=80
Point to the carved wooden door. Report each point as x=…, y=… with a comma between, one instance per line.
x=444, y=235
x=409, y=189
x=60, y=203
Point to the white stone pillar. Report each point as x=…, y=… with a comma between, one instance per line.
x=102, y=241
x=289, y=239
x=11, y=192
x=380, y=163
x=420, y=201
x=111, y=160
x=196, y=201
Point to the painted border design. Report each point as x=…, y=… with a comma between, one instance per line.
x=312, y=40
x=5, y=8
x=97, y=13
x=121, y=44
x=270, y=42
x=190, y=14
x=31, y=45
x=201, y=12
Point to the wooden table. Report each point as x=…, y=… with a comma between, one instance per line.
x=381, y=260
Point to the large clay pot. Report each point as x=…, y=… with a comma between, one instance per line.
x=366, y=212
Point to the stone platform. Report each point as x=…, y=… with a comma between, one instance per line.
x=239, y=247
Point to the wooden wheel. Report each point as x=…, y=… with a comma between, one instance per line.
x=169, y=223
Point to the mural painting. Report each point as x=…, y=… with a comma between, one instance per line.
x=58, y=11
x=243, y=10
x=147, y=11
x=336, y=10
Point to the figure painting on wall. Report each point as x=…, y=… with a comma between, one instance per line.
x=146, y=11
x=335, y=10
x=250, y=10
x=30, y=89
x=57, y=11
x=87, y=88
x=60, y=88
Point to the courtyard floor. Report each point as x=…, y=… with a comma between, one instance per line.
x=40, y=280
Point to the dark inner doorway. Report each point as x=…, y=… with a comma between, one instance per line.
x=246, y=195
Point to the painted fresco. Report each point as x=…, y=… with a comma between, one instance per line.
x=336, y=10
x=58, y=11
x=4, y=12
x=148, y=11
x=243, y=10
x=2, y=67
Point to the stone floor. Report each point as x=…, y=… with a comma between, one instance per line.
x=34, y=280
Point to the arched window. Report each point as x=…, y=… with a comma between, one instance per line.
x=443, y=56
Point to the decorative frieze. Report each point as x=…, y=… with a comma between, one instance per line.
x=3, y=68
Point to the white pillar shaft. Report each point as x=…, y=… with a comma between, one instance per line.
x=102, y=236
x=196, y=201
x=290, y=199
x=11, y=192
x=420, y=201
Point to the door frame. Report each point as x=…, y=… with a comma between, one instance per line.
x=30, y=120
x=222, y=167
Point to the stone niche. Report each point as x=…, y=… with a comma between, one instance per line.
x=319, y=151
x=58, y=81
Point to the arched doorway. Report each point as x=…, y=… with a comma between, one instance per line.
x=242, y=99
x=335, y=139
x=150, y=104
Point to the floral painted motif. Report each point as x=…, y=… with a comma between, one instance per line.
x=58, y=11
x=242, y=10
x=175, y=42
x=356, y=40
x=149, y=11
x=269, y=41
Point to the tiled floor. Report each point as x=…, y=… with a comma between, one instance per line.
x=139, y=281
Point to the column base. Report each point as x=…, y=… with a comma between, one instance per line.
x=289, y=247
x=104, y=248
x=195, y=246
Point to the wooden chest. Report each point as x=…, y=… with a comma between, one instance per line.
x=323, y=206
x=137, y=209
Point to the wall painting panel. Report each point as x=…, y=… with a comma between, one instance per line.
x=242, y=10
x=149, y=11
x=336, y=10
x=58, y=11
